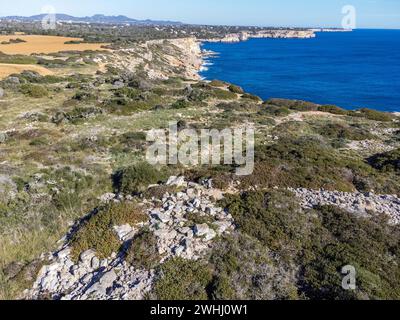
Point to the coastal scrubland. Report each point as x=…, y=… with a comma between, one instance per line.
x=70, y=137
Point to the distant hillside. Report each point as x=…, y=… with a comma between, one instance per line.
x=98, y=18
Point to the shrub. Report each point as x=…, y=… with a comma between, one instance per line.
x=235, y=89
x=388, y=161
x=127, y=92
x=84, y=96
x=370, y=245
x=197, y=95
x=97, y=231
x=297, y=105
x=143, y=252
x=181, y=279
x=96, y=234
x=333, y=109
x=158, y=192
x=136, y=179
x=17, y=59
x=76, y=115
x=376, y=115
x=275, y=111
x=243, y=269
x=34, y=91
x=223, y=94
x=274, y=218
x=318, y=243
x=180, y=104
x=133, y=140
x=218, y=83
x=343, y=131
x=304, y=162
x=251, y=97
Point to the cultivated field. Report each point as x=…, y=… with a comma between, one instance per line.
x=8, y=69
x=44, y=44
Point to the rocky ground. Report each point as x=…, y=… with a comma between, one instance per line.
x=358, y=203
x=113, y=278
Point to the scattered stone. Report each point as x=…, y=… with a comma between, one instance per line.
x=113, y=278
x=358, y=203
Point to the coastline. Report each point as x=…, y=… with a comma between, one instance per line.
x=359, y=99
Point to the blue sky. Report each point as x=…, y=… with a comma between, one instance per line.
x=370, y=13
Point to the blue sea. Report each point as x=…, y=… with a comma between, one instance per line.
x=349, y=69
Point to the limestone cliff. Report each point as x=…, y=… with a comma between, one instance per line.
x=160, y=59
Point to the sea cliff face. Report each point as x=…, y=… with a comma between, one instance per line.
x=160, y=59
x=274, y=34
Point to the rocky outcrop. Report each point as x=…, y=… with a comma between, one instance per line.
x=184, y=224
x=159, y=59
x=358, y=203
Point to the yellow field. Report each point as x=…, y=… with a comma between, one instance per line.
x=7, y=69
x=44, y=44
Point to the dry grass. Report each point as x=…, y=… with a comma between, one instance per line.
x=44, y=44
x=7, y=69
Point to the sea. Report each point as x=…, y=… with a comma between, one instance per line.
x=359, y=69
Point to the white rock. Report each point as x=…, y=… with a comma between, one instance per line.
x=107, y=197
x=176, y=181
x=124, y=232
x=95, y=263
x=64, y=253
x=161, y=216
x=86, y=256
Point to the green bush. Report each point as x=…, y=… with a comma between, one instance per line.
x=223, y=94
x=275, y=111
x=297, y=105
x=97, y=231
x=182, y=280
x=143, y=252
x=388, y=161
x=218, y=83
x=370, y=245
x=34, y=91
x=136, y=178
x=17, y=59
x=244, y=269
x=274, y=218
x=251, y=97
x=318, y=243
x=377, y=115
x=180, y=104
x=333, y=109
x=343, y=131
x=84, y=96
x=302, y=162
x=235, y=89
x=128, y=92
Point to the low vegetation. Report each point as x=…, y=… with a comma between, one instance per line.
x=96, y=232
x=68, y=138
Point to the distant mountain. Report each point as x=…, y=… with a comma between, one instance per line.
x=98, y=18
